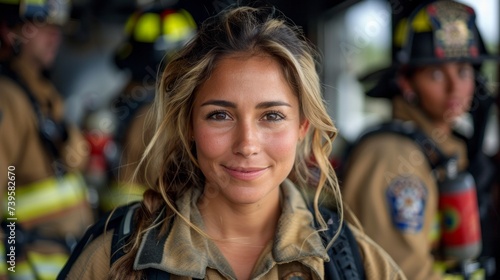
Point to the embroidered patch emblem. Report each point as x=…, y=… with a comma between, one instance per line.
x=453, y=30
x=406, y=197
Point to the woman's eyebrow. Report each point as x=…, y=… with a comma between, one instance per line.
x=268, y=104
x=222, y=103
x=261, y=105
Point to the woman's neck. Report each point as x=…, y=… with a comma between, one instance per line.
x=443, y=127
x=241, y=232
x=252, y=222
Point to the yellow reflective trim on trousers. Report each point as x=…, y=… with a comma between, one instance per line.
x=3, y=264
x=39, y=266
x=49, y=196
x=47, y=266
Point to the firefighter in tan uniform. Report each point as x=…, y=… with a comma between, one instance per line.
x=44, y=201
x=152, y=35
x=390, y=183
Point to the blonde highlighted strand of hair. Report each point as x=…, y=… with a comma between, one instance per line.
x=171, y=153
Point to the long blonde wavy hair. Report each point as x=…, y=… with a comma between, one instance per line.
x=171, y=154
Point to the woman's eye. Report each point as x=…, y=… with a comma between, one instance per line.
x=466, y=72
x=437, y=74
x=273, y=116
x=218, y=116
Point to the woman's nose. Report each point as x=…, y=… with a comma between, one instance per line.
x=246, y=141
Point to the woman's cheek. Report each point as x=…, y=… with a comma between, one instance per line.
x=282, y=143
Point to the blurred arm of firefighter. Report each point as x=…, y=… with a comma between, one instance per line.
x=44, y=197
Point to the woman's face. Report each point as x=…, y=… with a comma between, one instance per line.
x=444, y=91
x=246, y=126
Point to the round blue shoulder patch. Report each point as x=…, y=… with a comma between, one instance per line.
x=406, y=197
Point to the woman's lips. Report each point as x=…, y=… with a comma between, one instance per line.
x=454, y=104
x=245, y=174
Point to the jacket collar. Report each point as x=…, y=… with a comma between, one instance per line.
x=187, y=253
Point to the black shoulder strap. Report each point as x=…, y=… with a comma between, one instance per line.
x=122, y=235
x=345, y=259
x=46, y=126
x=434, y=155
x=123, y=232
x=122, y=222
x=113, y=220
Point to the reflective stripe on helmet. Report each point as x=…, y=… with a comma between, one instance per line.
x=147, y=28
x=172, y=25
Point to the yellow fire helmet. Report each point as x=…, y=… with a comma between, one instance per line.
x=153, y=35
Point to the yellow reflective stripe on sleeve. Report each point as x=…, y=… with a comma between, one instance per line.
x=47, y=266
x=120, y=194
x=22, y=271
x=49, y=196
